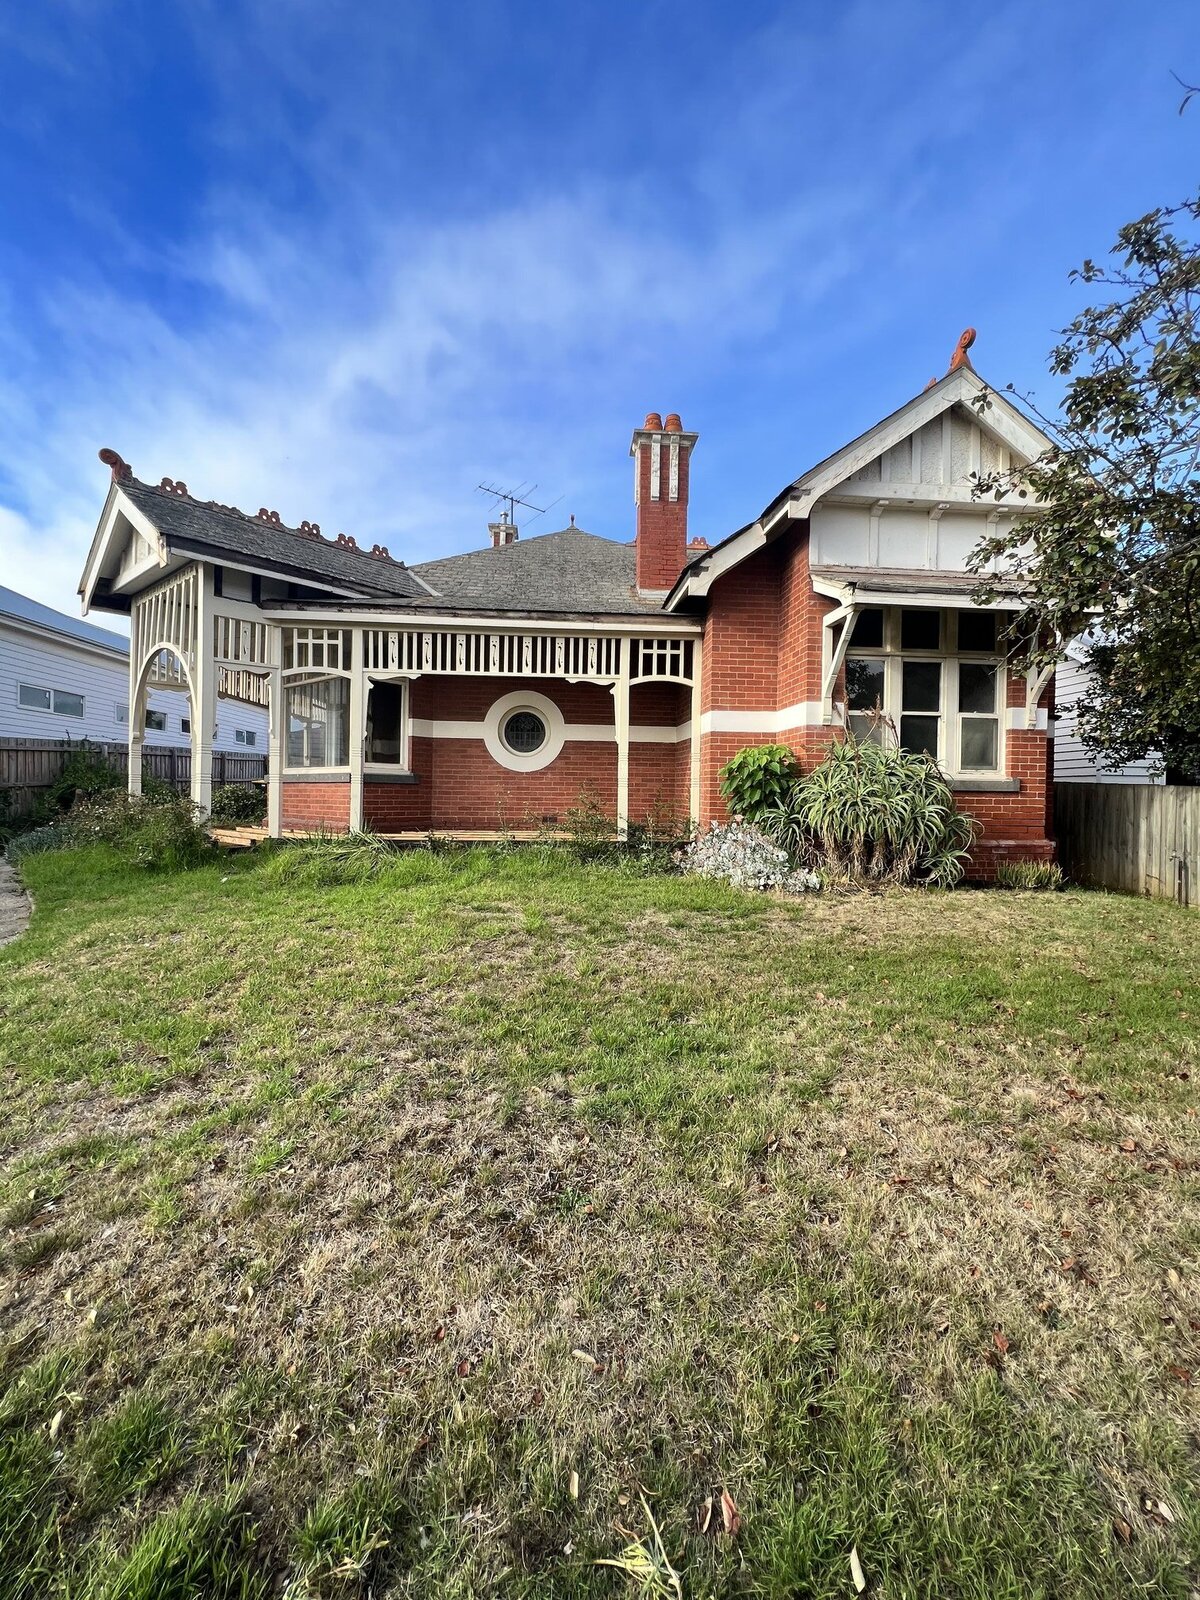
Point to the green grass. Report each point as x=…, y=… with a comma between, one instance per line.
x=397, y=1235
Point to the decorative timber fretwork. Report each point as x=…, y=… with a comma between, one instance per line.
x=163, y=619
x=471, y=653
x=240, y=642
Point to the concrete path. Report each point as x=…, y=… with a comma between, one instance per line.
x=14, y=904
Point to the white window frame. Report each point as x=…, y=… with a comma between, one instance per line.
x=499, y=713
x=147, y=726
x=50, y=709
x=950, y=718
x=300, y=678
x=404, y=684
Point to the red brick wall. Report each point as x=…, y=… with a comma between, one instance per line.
x=763, y=651
x=460, y=785
x=316, y=805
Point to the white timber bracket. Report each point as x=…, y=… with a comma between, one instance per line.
x=1035, y=682
x=835, y=653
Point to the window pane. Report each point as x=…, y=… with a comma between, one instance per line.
x=385, y=705
x=980, y=741
x=524, y=732
x=977, y=631
x=922, y=686
x=919, y=734
x=976, y=687
x=156, y=721
x=250, y=737
x=34, y=699
x=68, y=705
x=920, y=630
x=318, y=720
x=868, y=629
x=864, y=684
x=867, y=729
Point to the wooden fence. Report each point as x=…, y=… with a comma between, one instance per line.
x=1135, y=837
x=29, y=766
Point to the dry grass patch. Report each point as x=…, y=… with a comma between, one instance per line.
x=424, y=1244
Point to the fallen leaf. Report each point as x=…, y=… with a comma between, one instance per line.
x=856, y=1571
x=1182, y=1373
x=730, y=1515
x=584, y=1356
x=1122, y=1530
x=573, y=1485
x=56, y=1424
x=463, y=1369
x=1129, y=1145
x=1000, y=1340
x=439, y=1335
x=704, y=1514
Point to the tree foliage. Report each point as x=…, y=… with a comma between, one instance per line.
x=1116, y=552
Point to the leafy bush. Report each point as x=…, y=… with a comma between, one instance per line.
x=158, y=835
x=872, y=812
x=747, y=858
x=1029, y=875
x=84, y=773
x=758, y=779
x=234, y=803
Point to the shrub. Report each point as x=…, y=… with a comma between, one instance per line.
x=50, y=836
x=872, y=812
x=238, y=802
x=158, y=835
x=747, y=858
x=84, y=773
x=758, y=779
x=1029, y=875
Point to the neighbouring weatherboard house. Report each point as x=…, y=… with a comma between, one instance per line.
x=498, y=687
x=62, y=678
x=1073, y=762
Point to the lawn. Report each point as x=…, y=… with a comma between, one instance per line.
x=449, y=1233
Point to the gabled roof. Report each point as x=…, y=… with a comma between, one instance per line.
x=568, y=573
x=197, y=527
x=961, y=385
x=33, y=614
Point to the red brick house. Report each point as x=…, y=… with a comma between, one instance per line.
x=495, y=688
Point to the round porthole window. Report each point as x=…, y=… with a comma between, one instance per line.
x=524, y=732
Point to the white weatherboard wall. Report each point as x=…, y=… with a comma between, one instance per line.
x=1072, y=763
x=49, y=661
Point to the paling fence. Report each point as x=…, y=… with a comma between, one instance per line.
x=1135, y=837
x=28, y=767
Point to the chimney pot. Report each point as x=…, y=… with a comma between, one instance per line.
x=673, y=424
x=653, y=422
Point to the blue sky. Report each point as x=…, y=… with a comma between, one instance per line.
x=348, y=260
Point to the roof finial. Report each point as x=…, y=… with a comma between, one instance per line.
x=960, y=358
x=572, y=519
x=121, y=470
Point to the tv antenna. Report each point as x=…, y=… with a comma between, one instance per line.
x=510, y=498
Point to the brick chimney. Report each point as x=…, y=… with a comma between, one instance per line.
x=502, y=532
x=661, y=453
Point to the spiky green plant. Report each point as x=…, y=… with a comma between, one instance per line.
x=872, y=812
